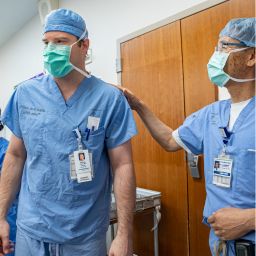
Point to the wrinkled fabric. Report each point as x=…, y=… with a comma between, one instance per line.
x=53, y=208
x=200, y=133
x=27, y=246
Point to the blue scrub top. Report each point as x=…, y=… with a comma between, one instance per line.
x=12, y=214
x=52, y=207
x=200, y=133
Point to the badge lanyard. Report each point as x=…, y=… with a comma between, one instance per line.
x=226, y=135
x=81, y=160
x=222, y=169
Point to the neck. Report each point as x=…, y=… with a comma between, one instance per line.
x=69, y=83
x=241, y=91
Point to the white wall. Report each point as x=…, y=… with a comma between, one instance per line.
x=107, y=21
x=20, y=58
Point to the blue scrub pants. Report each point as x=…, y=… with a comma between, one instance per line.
x=27, y=246
x=214, y=239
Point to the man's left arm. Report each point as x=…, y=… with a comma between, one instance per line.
x=232, y=223
x=125, y=194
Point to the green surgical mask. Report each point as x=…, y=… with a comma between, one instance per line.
x=57, y=59
x=216, y=65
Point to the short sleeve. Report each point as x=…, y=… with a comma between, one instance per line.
x=192, y=131
x=11, y=115
x=122, y=126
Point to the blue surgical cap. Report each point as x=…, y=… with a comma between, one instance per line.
x=66, y=21
x=242, y=29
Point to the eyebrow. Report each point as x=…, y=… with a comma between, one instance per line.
x=57, y=38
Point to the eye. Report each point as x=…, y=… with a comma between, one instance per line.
x=60, y=41
x=45, y=42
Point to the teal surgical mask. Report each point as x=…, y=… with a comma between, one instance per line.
x=57, y=60
x=216, y=65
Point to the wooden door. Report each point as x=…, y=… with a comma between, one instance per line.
x=199, y=37
x=152, y=69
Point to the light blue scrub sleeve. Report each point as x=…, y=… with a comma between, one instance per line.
x=192, y=131
x=122, y=126
x=11, y=115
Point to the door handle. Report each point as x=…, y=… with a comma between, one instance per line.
x=193, y=165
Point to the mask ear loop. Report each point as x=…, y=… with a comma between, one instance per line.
x=80, y=38
x=85, y=73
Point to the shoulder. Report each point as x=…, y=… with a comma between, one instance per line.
x=33, y=83
x=106, y=89
x=209, y=111
x=213, y=107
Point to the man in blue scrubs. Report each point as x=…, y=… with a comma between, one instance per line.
x=225, y=133
x=65, y=201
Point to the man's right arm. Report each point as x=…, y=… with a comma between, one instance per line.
x=10, y=183
x=159, y=131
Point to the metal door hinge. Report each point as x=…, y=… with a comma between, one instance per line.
x=118, y=65
x=193, y=165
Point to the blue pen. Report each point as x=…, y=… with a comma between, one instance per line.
x=87, y=130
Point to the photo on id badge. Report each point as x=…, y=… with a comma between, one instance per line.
x=81, y=157
x=222, y=172
x=216, y=165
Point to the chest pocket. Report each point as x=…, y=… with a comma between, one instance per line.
x=245, y=174
x=95, y=144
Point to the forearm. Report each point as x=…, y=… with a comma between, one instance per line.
x=250, y=216
x=159, y=131
x=10, y=181
x=125, y=194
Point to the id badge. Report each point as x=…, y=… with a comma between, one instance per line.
x=222, y=172
x=83, y=166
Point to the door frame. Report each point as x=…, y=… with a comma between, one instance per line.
x=178, y=16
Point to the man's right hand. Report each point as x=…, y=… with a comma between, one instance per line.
x=6, y=246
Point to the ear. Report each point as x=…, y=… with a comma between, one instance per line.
x=251, y=61
x=85, y=45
